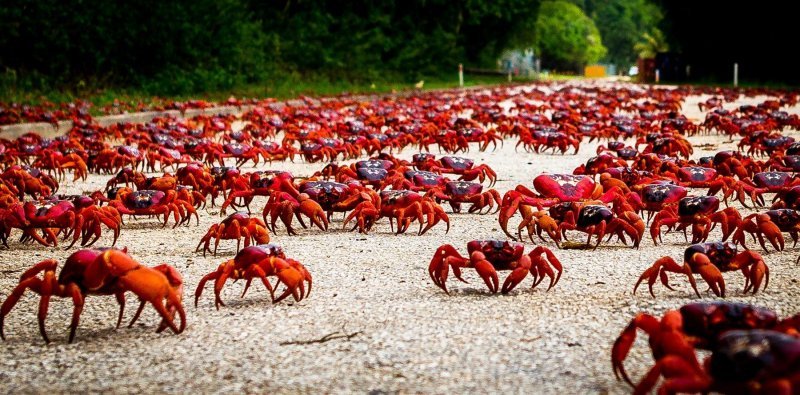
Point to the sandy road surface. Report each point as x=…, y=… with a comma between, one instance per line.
x=411, y=337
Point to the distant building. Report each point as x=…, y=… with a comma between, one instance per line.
x=517, y=62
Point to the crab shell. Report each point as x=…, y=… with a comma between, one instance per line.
x=326, y=193
x=374, y=164
x=144, y=199
x=236, y=148
x=564, y=187
x=663, y=194
x=719, y=253
x=372, y=174
x=423, y=178
x=760, y=355
x=703, y=205
x=47, y=213
x=254, y=254
x=707, y=320
x=592, y=215
x=220, y=172
x=498, y=252
x=269, y=178
x=772, y=179
x=462, y=189
x=786, y=219
x=398, y=199
x=457, y=162
x=696, y=174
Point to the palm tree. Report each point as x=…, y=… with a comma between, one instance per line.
x=650, y=44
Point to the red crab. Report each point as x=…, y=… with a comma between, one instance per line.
x=458, y=192
x=709, y=326
x=703, y=177
x=318, y=200
x=769, y=225
x=152, y=203
x=30, y=181
x=710, y=260
x=554, y=189
x=700, y=212
x=599, y=164
x=404, y=206
x=78, y=217
x=595, y=219
x=655, y=197
x=547, y=138
x=101, y=272
x=372, y=172
x=732, y=163
x=669, y=144
x=455, y=165
x=489, y=256
x=416, y=180
x=766, y=182
x=56, y=162
x=235, y=227
x=259, y=262
x=258, y=183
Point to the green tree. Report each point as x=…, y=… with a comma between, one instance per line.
x=566, y=38
x=621, y=23
x=650, y=44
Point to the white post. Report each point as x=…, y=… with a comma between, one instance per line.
x=735, y=75
x=658, y=76
x=461, y=75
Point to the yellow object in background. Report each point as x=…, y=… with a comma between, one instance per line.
x=594, y=71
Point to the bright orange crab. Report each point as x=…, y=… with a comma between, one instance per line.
x=259, y=262
x=101, y=272
x=489, y=256
x=238, y=226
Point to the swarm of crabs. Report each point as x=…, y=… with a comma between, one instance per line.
x=644, y=182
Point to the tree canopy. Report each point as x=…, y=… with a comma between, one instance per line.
x=622, y=23
x=566, y=38
x=188, y=46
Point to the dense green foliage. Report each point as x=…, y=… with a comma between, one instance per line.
x=182, y=46
x=175, y=45
x=566, y=38
x=622, y=23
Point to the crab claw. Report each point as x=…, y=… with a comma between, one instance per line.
x=487, y=271
x=622, y=345
x=517, y=275
x=439, y=268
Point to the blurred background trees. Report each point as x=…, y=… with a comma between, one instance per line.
x=567, y=39
x=182, y=46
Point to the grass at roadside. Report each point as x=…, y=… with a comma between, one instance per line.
x=283, y=89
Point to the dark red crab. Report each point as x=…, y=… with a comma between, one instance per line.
x=674, y=338
x=459, y=192
x=553, y=189
x=417, y=180
x=710, y=260
x=655, y=197
x=765, y=182
x=153, y=203
x=101, y=272
x=699, y=212
x=770, y=225
x=258, y=183
x=599, y=220
x=259, y=262
x=236, y=226
x=406, y=206
x=703, y=177
x=464, y=167
x=489, y=256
